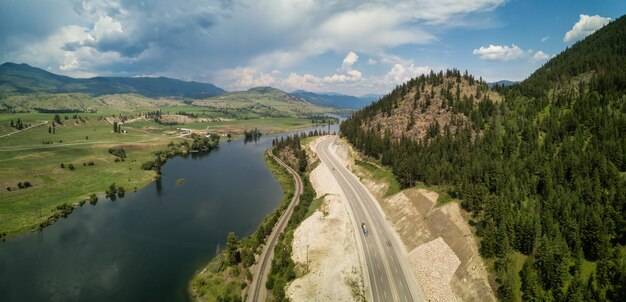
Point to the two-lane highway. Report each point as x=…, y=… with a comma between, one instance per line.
x=388, y=274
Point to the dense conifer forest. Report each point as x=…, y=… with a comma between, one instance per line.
x=542, y=172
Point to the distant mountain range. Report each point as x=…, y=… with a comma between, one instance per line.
x=25, y=79
x=17, y=79
x=336, y=100
x=502, y=83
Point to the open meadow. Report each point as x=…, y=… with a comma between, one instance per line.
x=36, y=180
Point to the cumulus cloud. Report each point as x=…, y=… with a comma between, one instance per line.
x=540, y=56
x=400, y=73
x=499, y=52
x=351, y=81
x=505, y=53
x=349, y=60
x=241, y=78
x=585, y=26
x=186, y=39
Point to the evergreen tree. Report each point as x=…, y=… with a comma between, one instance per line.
x=232, y=248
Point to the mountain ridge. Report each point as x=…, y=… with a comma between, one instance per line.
x=25, y=79
x=335, y=100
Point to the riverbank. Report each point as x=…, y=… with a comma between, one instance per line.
x=222, y=279
x=69, y=166
x=111, y=251
x=226, y=277
x=46, y=173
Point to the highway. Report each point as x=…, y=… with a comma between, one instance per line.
x=257, y=291
x=388, y=276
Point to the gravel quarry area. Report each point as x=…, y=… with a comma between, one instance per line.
x=434, y=264
x=334, y=271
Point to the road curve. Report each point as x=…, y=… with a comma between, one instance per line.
x=389, y=276
x=257, y=290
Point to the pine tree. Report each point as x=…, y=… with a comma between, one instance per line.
x=231, y=248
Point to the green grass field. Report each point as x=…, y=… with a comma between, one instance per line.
x=25, y=158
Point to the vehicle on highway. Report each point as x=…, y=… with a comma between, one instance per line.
x=364, y=227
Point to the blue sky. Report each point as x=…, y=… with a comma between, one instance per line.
x=349, y=46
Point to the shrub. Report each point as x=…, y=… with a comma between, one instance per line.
x=147, y=165
x=24, y=185
x=119, y=152
x=120, y=191
x=111, y=191
x=93, y=199
x=71, y=167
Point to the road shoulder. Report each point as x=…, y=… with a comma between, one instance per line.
x=440, y=233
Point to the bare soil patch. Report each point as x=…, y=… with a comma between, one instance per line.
x=322, y=239
x=327, y=235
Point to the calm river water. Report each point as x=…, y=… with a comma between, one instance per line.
x=146, y=246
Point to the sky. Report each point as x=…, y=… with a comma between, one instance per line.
x=353, y=47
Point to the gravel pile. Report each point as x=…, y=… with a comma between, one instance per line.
x=434, y=264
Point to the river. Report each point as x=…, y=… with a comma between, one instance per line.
x=147, y=245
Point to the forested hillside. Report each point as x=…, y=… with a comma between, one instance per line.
x=542, y=172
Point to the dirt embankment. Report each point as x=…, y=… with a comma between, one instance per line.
x=443, y=252
x=322, y=239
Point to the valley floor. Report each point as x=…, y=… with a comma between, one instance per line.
x=42, y=158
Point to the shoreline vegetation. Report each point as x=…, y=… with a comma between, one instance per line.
x=228, y=275
x=113, y=192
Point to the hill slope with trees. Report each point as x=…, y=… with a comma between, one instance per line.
x=266, y=101
x=542, y=172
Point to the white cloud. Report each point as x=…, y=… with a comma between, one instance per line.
x=505, y=53
x=499, y=52
x=241, y=78
x=106, y=28
x=546, y=38
x=352, y=82
x=371, y=61
x=585, y=26
x=540, y=56
x=400, y=73
x=349, y=60
x=194, y=39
